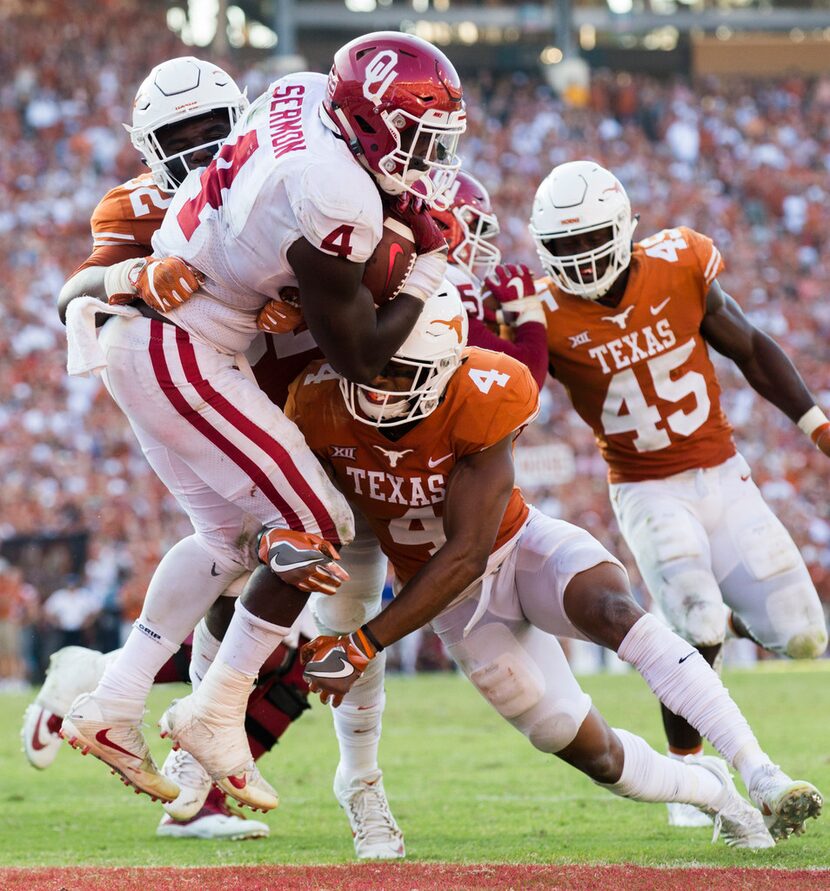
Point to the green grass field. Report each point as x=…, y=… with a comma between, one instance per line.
x=464, y=786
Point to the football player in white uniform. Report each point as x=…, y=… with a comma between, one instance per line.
x=294, y=199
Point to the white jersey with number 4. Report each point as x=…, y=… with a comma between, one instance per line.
x=281, y=175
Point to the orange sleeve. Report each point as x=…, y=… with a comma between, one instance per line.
x=707, y=255
x=497, y=397
x=123, y=223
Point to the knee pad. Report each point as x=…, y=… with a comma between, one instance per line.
x=511, y=683
x=559, y=724
x=766, y=548
x=807, y=645
x=229, y=559
x=692, y=603
x=333, y=615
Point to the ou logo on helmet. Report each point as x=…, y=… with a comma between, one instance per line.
x=380, y=73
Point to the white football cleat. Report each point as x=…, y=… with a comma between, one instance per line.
x=219, y=744
x=194, y=784
x=71, y=671
x=736, y=820
x=686, y=816
x=376, y=834
x=785, y=803
x=94, y=725
x=40, y=736
x=215, y=820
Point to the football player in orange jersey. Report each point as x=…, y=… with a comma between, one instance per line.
x=425, y=453
x=629, y=331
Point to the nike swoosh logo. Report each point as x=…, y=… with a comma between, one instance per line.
x=681, y=661
x=434, y=462
x=102, y=738
x=395, y=250
x=656, y=309
x=213, y=571
x=238, y=782
x=37, y=745
x=339, y=667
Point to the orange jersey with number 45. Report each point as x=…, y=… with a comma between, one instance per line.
x=400, y=486
x=640, y=373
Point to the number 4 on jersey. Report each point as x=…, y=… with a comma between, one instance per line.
x=665, y=245
x=484, y=380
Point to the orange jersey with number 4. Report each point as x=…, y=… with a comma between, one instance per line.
x=400, y=486
x=124, y=221
x=640, y=373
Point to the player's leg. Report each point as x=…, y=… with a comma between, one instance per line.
x=198, y=407
x=660, y=523
x=523, y=673
x=358, y=782
x=761, y=572
x=566, y=580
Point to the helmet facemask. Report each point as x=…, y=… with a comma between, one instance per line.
x=475, y=252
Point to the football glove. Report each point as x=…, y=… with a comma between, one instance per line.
x=279, y=317
x=162, y=283
x=333, y=664
x=302, y=559
x=511, y=289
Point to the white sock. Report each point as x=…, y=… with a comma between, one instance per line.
x=129, y=677
x=186, y=582
x=223, y=694
x=357, y=722
x=649, y=776
x=205, y=648
x=249, y=641
x=685, y=683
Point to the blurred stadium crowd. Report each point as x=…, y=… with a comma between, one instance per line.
x=745, y=162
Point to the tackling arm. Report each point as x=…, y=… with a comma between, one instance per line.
x=478, y=490
x=766, y=367
x=357, y=339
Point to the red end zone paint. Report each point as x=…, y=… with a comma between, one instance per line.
x=413, y=875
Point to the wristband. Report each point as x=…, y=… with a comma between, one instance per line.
x=426, y=276
x=812, y=421
x=118, y=278
x=372, y=640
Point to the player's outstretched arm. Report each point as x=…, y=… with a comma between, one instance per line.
x=478, y=490
x=766, y=367
x=355, y=338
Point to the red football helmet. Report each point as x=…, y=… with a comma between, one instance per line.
x=465, y=214
x=396, y=100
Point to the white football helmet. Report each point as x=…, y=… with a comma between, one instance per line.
x=575, y=198
x=172, y=92
x=430, y=355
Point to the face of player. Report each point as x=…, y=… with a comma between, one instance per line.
x=394, y=378
x=193, y=142
x=582, y=243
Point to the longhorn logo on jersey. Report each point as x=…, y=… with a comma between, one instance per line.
x=391, y=455
x=380, y=73
x=621, y=318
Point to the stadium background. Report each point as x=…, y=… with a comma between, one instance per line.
x=714, y=116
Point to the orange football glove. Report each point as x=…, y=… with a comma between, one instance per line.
x=333, y=664
x=162, y=283
x=302, y=559
x=821, y=437
x=279, y=317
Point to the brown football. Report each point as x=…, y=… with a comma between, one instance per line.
x=389, y=266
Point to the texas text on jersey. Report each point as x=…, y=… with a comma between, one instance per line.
x=640, y=373
x=400, y=485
